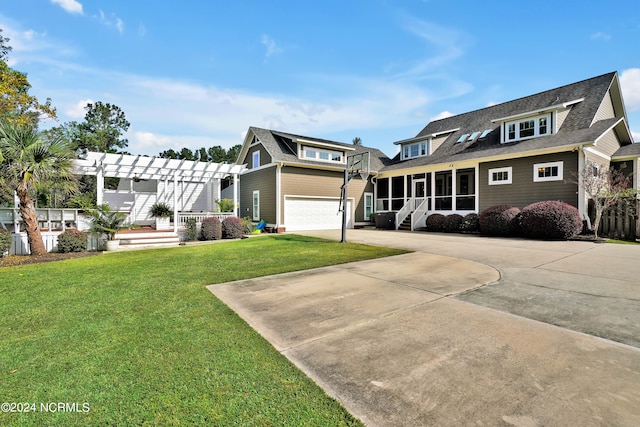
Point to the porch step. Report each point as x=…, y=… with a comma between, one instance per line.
x=406, y=224
x=143, y=238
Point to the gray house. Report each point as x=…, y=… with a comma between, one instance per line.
x=517, y=152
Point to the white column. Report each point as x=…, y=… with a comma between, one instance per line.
x=100, y=186
x=236, y=184
x=16, y=220
x=454, y=188
x=582, y=197
x=175, y=203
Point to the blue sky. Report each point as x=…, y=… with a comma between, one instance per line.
x=199, y=73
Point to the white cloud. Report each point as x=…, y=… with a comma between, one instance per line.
x=601, y=36
x=147, y=140
x=77, y=110
x=442, y=115
x=636, y=136
x=271, y=45
x=110, y=20
x=71, y=6
x=630, y=86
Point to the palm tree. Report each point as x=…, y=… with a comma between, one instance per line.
x=27, y=160
x=357, y=141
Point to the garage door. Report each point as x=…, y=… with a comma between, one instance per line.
x=304, y=213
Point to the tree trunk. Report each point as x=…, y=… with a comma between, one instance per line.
x=30, y=218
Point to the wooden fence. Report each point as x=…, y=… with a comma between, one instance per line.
x=621, y=221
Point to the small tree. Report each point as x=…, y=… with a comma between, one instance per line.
x=605, y=186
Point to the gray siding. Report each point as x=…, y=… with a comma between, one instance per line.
x=561, y=116
x=605, y=110
x=265, y=158
x=437, y=142
x=523, y=190
x=608, y=144
x=263, y=180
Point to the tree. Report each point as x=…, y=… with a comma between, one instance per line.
x=357, y=141
x=16, y=105
x=605, y=186
x=28, y=160
x=102, y=130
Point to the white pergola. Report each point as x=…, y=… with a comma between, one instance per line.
x=127, y=166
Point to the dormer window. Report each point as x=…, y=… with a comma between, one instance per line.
x=417, y=149
x=530, y=127
x=322, y=155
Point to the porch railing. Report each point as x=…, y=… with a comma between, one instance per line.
x=199, y=216
x=49, y=219
x=420, y=211
x=403, y=213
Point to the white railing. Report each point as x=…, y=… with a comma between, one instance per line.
x=199, y=216
x=49, y=219
x=421, y=210
x=403, y=213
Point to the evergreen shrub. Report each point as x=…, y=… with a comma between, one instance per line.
x=470, y=223
x=550, y=220
x=232, y=228
x=500, y=220
x=451, y=223
x=435, y=222
x=72, y=240
x=5, y=241
x=211, y=229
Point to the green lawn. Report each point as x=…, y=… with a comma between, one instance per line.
x=138, y=337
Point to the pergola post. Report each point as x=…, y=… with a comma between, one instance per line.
x=235, y=194
x=175, y=202
x=99, y=185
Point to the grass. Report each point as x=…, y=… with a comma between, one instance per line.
x=138, y=337
x=623, y=242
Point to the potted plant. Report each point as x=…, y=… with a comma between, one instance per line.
x=104, y=221
x=162, y=213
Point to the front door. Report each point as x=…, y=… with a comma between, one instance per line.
x=419, y=192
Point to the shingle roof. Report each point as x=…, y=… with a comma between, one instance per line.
x=576, y=128
x=282, y=148
x=628, y=150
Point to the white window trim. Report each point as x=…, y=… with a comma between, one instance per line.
x=368, y=195
x=318, y=150
x=509, y=171
x=255, y=206
x=255, y=157
x=536, y=134
x=537, y=166
x=407, y=147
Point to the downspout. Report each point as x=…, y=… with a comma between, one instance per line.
x=278, y=194
x=582, y=197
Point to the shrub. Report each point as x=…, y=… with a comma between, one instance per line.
x=470, y=223
x=499, y=220
x=232, y=228
x=72, y=240
x=550, y=220
x=248, y=225
x=451, y=223
x=192, y=228
x=435, y=222
x=160, y=210
x=5, y=242
x=211, y=229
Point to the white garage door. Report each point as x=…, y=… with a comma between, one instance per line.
x=304, y=213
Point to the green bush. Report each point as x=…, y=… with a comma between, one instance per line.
x=550, y=220
x=248, y=225
x=5, y=242
x=500, y=220
x=435, y=222
x=211, y=229
x=470, y=223
x=192, y=228
x=160, y=210
x=451, y=223
x=72, y=240
x=232, y=228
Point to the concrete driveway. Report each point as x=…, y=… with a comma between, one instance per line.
x=465, y=331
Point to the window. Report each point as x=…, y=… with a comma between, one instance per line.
x=255, y=157
x=465, y=189
x=462, y=138
x=500, y=176
x=485, y=133
x=444, y=191
x=256, y=205
x=417, y=149
x=368, y=206
x=552, y=171
x=527, y=128
x=474, y=136
x=322, y=155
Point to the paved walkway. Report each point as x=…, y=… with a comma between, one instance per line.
x=462, y=332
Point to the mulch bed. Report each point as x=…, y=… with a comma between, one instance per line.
x=13, y=260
